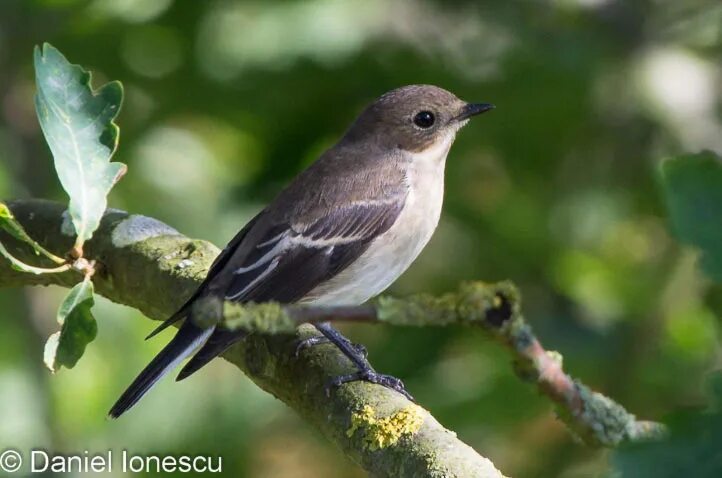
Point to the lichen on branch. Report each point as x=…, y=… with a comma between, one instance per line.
x=595, y=418
x=379, y=433
x=155, y=269
x=390, y=436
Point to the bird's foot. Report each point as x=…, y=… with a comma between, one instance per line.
x=357, y=355
x=314, y=340
x=369, y=375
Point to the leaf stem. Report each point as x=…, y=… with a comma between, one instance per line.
x=11, y=225
x=19, y=265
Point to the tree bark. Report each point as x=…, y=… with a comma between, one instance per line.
x=148, y=265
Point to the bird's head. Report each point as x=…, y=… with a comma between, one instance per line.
x=414, y=118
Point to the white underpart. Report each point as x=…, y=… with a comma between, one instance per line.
x=392, y=253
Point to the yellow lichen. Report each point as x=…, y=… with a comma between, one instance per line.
x=383, y=432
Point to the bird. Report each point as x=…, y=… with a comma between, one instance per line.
x=341, y=232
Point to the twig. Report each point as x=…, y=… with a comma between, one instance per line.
x=147, y=265
x=595, y=418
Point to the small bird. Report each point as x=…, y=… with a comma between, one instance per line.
x=340, y=233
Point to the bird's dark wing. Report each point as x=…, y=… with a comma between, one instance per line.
x=282, y=255
x=187, y=339
x=291, y=259
x=220, y=261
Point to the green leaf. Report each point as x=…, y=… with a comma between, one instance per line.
x=9, y=224
x=15, y=229
x=78, y=126
x=693, y=187
x=78, y=328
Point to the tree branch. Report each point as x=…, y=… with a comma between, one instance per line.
x=594, y=418
x=148, y=265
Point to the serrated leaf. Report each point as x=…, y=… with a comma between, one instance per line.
x=693, y=188
x=78, y=328
x=78, y=125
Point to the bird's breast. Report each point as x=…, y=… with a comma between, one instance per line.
x=390, y=254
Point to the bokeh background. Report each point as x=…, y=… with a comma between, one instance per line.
x=557, y=190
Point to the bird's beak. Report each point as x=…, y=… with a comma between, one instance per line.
x=473, y=109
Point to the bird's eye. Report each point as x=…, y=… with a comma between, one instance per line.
x=424, y=119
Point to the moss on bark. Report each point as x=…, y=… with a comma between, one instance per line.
x=156, y=273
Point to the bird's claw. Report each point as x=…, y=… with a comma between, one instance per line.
x=308, y=342
x=314, y=340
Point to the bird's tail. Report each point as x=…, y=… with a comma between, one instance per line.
x=188, y=338
x=218, y=343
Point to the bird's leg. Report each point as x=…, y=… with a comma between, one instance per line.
x=322, y=339
x=370, y=375
x=365, y=371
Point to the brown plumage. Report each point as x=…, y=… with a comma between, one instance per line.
x=341, y=232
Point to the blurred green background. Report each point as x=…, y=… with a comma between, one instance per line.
x=556, y=189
